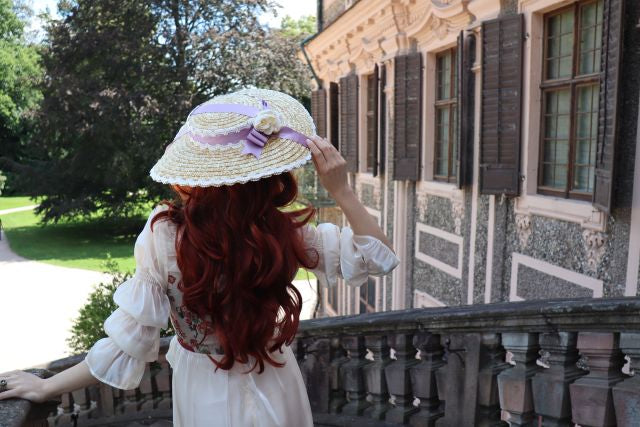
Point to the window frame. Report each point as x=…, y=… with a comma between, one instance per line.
x=451, y=103
x=572, y=83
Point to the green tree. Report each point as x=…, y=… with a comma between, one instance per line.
x=20, y=75
x=298, y=28
x=121, y=77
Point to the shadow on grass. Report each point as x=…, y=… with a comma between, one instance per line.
x=79, y=243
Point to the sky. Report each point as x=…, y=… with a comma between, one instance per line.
x=293, y=8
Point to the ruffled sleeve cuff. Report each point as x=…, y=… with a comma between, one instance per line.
x=349, y=256
x=133, y=333
x=112, y=366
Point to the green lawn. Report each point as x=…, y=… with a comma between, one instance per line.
x=15, y=202
x=77, y=244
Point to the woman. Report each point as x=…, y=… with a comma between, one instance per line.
x=219, y=262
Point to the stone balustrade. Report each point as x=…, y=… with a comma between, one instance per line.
x=551, y=363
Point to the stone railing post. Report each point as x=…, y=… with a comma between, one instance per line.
x=551, y=386
x=353, y=376
x=398, y=375
x=374, y=376
x=492, y=362
x=337, y=357
x=423, y=379
x=162, y=379
x=315, y=370
x=591, y=396
x=514, y=384
x=626, y=395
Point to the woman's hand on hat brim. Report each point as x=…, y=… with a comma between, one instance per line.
x=331, y=166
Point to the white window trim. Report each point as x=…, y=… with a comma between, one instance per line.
x=453, y=238
x=530, y=202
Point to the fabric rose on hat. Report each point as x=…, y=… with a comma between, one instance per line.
x=267, y=121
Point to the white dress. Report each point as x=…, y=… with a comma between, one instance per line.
x=203, y=396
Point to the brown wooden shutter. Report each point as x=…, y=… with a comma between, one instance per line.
x=349, y=121
x=466, y=106
x=372, y=125
x=407, y=106
x=334, y=117
x=502, y=41
x=319, y=111
x=611, y=59
x=382, y=121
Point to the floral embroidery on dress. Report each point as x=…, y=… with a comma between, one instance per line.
x=193, y=332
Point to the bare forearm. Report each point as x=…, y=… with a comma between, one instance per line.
x=361, y=222
x=74, y=378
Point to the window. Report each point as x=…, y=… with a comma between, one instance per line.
x=446, y=138
x=570, y=95
x=368, y=296
x=372, y=121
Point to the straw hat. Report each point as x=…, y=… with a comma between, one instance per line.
x=235, y=138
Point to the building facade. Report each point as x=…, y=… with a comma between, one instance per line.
x=493, y=140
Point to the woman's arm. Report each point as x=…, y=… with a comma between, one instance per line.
x=31, y=387
x=332, y=171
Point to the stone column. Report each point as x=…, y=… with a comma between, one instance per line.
x=591, y=396
x=423, y=379
x=626, y=395
x=514, y=384
x=163, y=385
x=492, y=363
x=375, y=381
x=337, y=357
x=353, y=375
x=315, y=368
x=398, y=378
x=551, y=386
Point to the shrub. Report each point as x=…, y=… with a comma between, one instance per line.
x=88, y=326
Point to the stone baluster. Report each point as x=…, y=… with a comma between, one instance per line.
x=550, y=386
x=131, y=400
x=375, y=380
x=68, y=410
x=492, y=363
x=146, y=388
x=353, y=376
x=626, y=395
x=162, y=380
x=423, y=379
x=109, y=397
x=591, y=396
x=398, y=375
x=337, y=357
x=82, y=400
x=315, y=368
x=514, y=384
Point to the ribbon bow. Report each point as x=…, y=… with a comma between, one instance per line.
x=255, y=140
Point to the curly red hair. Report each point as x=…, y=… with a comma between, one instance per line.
x=238, y=252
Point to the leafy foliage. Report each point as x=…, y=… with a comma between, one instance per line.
x=123, y=74
x=20, y=76
x=88, y=326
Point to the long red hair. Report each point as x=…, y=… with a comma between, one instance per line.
x=238, y=252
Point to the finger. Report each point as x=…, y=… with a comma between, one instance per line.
x=9, y=394
x=317, y=154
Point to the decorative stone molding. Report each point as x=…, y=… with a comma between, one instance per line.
x=523, y=226
x=457, y=210
x=594, y=245
x=438, y=18
x=422, y=202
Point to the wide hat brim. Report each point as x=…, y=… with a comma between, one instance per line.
x=191, y=163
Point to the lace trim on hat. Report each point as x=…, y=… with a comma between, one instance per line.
x=230, y=180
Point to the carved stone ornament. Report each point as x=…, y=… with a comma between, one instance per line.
x=594, y=245
x=523, y=225
x=422, y=201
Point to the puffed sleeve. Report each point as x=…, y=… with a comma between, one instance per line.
x=133, y=329
x=343, y=254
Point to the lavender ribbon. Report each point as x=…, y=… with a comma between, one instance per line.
x=255, y=140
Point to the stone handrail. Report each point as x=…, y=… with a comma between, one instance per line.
x=559, y=362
